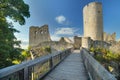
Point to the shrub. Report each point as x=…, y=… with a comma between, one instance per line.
x=48, y=49
x=106, y=55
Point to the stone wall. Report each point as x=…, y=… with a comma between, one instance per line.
x=77, y=42
x=93, y=21
x=101, y=44
x=109, y=37
x=115, y=47
x=39, y=38
x=87, y=42
x=38, y=35
x=65, y=39
x=54, y=45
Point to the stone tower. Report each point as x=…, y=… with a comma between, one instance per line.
x=38, y=35
x=93, y=21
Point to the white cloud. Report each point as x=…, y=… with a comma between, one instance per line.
x=24, y=44
x=65, y=31
x=24, y=40
x=60, y=19
x=55, y=37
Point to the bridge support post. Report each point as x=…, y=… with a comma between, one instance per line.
x=51, y=63
x=60, y=56
x=26, y=73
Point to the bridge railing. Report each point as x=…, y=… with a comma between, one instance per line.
x=95, y=70
x=33, y=69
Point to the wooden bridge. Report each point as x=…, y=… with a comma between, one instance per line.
x=66, y=65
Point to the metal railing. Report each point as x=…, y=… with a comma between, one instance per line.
x=34, y=69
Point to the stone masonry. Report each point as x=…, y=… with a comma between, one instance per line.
x=109, y=37
x=38, y=35
x=77, y=42
x=93, y=21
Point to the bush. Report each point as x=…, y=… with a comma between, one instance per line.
x=106, y=55
x=48, y=49
x=92, y=49
x=100, y=58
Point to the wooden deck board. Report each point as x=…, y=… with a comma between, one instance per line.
x=71, y=68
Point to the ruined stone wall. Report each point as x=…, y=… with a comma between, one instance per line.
x=65, y=39
x=86, y=42
x=93, y=21
x=101, y=44
x=115, y=46
x=38, y=35
x=55, y=45
x=109, y=37
x=77, y=42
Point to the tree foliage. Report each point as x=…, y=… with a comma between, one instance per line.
x=16, y=10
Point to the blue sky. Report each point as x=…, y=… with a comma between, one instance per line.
x=64, y=18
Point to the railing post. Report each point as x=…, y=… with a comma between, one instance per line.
x=51, y=63
x=60, y=56
x=65, y=54
x=32, y=76
x=26, y=73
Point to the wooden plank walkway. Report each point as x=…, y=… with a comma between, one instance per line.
x=71, y=68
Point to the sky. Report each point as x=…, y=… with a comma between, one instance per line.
x=65, y=18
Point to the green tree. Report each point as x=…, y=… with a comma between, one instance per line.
x=16, y=10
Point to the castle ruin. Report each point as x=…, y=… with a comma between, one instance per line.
x=38, y=35
x=93, y=21
x=93, y=29
x=65, y=39
x=77, y=42
x=109, y=37
x=94, y=36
